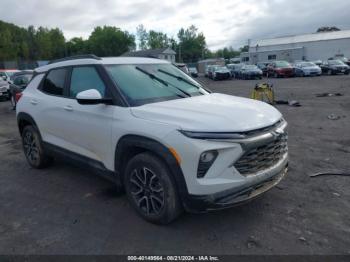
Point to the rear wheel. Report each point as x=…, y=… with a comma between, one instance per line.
x=33, y=149
x=13, y=101
x=151, y=189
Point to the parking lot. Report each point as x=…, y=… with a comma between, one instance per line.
x=66, y=210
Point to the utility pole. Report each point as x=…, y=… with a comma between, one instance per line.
x=179, y=52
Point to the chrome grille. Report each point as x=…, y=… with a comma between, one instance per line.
x=263, y=157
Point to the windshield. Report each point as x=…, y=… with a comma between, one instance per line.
x=22, y=79
x=335, y=62
x=149, y=83
x=282, y=64
x=307, y=64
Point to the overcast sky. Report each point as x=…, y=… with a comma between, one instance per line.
x=223, y=22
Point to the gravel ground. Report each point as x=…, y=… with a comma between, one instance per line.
x=66, y=210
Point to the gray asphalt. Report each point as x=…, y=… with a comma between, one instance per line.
x=66, y=210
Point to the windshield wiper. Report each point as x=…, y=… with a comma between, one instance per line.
x=180, y=78
x=152, y=76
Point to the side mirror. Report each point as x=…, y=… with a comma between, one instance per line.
x=92, y=97
x=4, y=78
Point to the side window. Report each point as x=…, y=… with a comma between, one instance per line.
x=85, y=78
x=54, y=82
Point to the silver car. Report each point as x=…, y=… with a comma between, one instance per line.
x=307, y=69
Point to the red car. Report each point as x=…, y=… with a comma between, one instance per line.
x=280, y=69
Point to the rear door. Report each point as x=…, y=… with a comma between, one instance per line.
x=49, y=104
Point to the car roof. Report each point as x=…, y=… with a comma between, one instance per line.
x=24, y=72
x=102, y=61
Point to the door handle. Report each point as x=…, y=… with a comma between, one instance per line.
x=68, y=108
x=34, y=102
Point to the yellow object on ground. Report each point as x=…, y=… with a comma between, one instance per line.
x=263, y=92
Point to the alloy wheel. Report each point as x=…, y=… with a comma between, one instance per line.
x=147, y=191
x=30, y=146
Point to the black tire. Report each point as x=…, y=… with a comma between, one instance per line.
x=33, y=149
x=151, y=189
x=13, y=102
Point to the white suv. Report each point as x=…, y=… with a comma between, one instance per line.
x=154, y=131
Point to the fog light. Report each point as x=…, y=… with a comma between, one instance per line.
x=206, y=160
x=207, y=156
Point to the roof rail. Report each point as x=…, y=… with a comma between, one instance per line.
x=89, y=56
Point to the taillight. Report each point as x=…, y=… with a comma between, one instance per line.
x=18, y=96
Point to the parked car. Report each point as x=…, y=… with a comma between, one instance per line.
x=235, y=69
x=307, y=69
x=280, y=69
x=250, y=72
x=170, y=148
x=333, y=67
x=193, y=71
x=263, y=67
x=207, y=68
x=219, y=73
x=182, y=67
x=6, y=74
x=20, y=81
x=344, y=59
x=4, y=89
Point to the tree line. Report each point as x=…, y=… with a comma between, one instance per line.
x=32, y=44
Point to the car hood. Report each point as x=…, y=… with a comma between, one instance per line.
x=222, y=71
x=211, y=113
x=284, y=68
x=256, y=71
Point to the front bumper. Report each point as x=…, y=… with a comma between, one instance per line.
x=5, y=93
x=312, y=73
x=222, y=76
x=285, y=73
x=237, y=196
x=341, y=71
x=254, y=75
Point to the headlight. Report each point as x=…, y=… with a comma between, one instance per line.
x=211, y=135
x=206, y=160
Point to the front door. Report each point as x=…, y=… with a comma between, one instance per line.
x=88, y=127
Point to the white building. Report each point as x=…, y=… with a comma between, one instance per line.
x=162, y=53
x=316, y=46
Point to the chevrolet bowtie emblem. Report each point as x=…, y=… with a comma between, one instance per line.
x=277, y=133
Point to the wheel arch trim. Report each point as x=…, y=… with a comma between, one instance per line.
x=155, y=147
x=25, y=117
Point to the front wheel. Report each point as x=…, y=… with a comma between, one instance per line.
x=151, y=190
